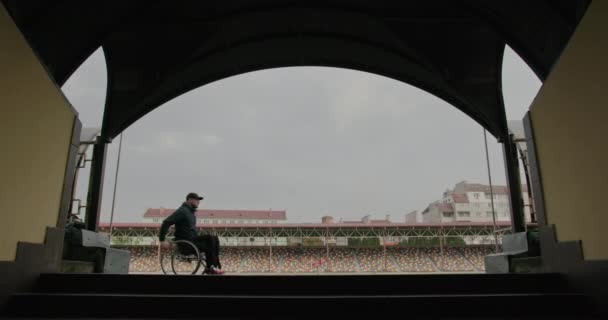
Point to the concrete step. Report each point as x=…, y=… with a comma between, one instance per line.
x=527, y=265
x=303, y=285
x=72, y=266
x=470, y=306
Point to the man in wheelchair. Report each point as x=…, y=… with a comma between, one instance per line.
x=184, y=219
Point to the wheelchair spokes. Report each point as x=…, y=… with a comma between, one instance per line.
x=181, y=264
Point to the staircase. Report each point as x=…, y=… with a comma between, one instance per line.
x=451, y=296
x=75, y=266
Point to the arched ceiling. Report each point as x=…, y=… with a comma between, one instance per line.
x=158, y=50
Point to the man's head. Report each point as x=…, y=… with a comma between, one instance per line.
x=193, y=199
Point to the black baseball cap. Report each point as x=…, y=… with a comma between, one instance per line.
x=193, y=195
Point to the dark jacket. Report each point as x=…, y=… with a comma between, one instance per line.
x=184, y=219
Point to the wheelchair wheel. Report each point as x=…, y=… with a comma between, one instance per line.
x=183, y=257
x=165, y=260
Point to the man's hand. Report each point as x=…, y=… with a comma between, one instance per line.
x=162, y=245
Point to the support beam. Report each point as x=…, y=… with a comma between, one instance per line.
x=536, y=187
x=514, y=183
x=98, y=165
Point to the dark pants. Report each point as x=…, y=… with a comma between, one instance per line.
x=211, y=246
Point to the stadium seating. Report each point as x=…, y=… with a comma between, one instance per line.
x=291, y=260
x=256, y=260
x=231, y=258
x=412, y=259
x=342, y=260
x=143, y=259
x=450, y=260
x=300, y=260
x=373, y=260
x=476, y=255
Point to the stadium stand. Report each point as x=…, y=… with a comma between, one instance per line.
x=450, y=260
x=256, y=260
x=476, y=255
x=300, y=260
x=143, y=259
x=373, y=260
x=412, y=259
x=341, y=260
x=232, y=258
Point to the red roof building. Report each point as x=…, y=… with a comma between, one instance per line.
x=235, y=215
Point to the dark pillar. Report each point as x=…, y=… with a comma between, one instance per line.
x=513, y=181
x=98, y=165
x=534, y=173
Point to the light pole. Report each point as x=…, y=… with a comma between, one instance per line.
x=115, y=184
x=485, y=139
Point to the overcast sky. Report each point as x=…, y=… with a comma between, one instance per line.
x=312, y=141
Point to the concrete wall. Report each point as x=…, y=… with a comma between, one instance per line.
x=35, y=133
x=570, y=121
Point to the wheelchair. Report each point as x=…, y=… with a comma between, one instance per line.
x=182, y=257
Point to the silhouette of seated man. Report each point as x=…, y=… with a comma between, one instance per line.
x=184, y=219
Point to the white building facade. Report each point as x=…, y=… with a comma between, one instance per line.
x=472, y=202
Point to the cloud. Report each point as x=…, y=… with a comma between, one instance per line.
x=211, y=140
x=178, y=141
x=171, y=141
x=368, y=97
x=352, y=103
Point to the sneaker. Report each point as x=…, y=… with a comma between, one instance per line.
x=215, y=270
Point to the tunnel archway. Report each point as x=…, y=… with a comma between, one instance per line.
x=157, y=51
x=469, y=79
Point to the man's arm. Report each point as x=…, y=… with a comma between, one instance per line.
x=171, y=220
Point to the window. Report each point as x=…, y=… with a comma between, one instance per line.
x=448, y=214
x=476, y=195
x=464, y=214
